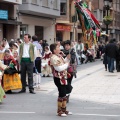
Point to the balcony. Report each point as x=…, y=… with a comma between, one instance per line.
x=12, y=1
x=44, y=8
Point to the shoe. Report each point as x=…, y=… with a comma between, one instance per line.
x=43, y=75
x=8, y=92
x=32, y=91
x=22, y=91
x=62, y=114
x=48, y=76
x=68, y=113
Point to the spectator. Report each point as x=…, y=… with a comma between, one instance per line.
x=111, y=52
x=11, y=79
x=27, y=55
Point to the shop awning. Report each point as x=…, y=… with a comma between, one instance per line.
x=10, y=22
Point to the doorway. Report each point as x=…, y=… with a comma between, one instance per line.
x=4, y=31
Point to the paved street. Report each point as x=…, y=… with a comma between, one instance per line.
x=96, y=96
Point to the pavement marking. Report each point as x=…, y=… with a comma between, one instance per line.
x=111, y=75
x=100, y=115
x=8, y=112
x=96, y=108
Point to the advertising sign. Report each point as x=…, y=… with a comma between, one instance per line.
x=4, y=14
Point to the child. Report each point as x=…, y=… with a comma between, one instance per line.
x=46, y=69
x=59, y=67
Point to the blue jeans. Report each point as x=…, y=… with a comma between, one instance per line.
x=110, y=63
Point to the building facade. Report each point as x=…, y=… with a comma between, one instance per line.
x=114, y=11
x=8, y=19
x=38, y=18
x=67, y=26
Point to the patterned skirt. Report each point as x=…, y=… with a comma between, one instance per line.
x=11, y=82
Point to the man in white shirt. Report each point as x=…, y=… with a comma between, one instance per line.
x=27, y=55
x=79, y=48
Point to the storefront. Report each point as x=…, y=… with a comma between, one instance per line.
x=63, y=32
x=8, y=23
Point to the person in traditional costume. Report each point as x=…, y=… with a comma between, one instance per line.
x=72, y=66
x=5, y=44
x=2, y=50
x=16, y=58
x=19, y=41
x=2, y=68
x=11, y=79
x=11, y=47
x=46, y=69
x=59, y=67
x=37, y=63
x=15, y=47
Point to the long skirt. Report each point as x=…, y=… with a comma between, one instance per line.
x=46, y=69
x=2, y=94
x=11, y=82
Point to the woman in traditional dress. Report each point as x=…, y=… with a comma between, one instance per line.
x=15, y=47
x=11, y=79
x=5, y=44
x=59, y=67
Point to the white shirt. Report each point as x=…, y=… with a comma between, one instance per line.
x=26, y=51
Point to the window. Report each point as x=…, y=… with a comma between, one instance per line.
x=95, y=14
x=101, y=14
x=24, y=1
x=39, y=31
x=55, y=4
x=45, y=3
x=63, y=8
x=34, y=1
x=117, y=5
x=23, y=30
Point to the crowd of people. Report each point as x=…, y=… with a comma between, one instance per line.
x=111, y=55
x=23, y=62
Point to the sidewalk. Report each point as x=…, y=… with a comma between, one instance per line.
x=92, y=84
x=96, y=84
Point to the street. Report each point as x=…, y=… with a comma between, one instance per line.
x=95, y=96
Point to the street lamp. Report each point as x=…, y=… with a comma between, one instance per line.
x=107, y=5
